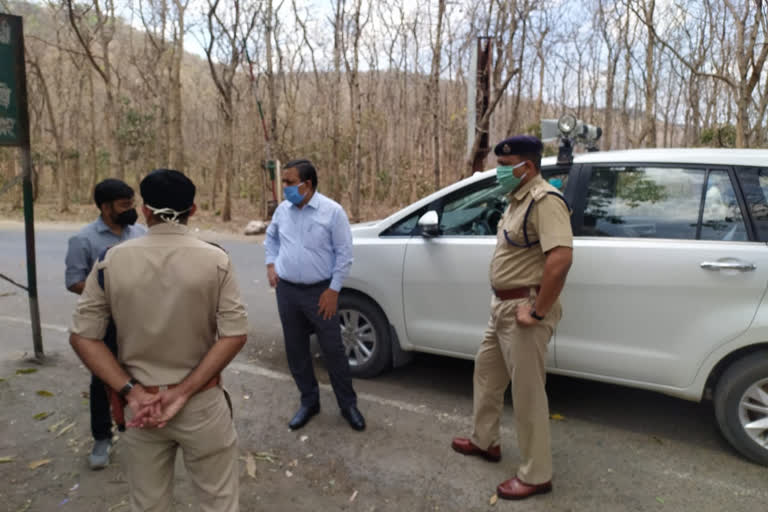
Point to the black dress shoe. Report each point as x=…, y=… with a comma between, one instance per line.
x=303, y=415
x=354, y=418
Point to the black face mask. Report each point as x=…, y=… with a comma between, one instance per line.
x=126, y=218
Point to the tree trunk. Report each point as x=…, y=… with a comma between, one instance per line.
x=59, y=167
x=435, y=93
x=271, y=86
x=177, y=160
x=336, y=101
x=607, y=141
x=93, y=166
x=357, y=112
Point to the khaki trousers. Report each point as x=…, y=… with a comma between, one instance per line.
x=509, y=352
x=205, y=432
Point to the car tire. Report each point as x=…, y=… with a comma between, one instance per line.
x=741, y=398
x=365, y=334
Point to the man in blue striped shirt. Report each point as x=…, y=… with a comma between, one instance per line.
x=308, y=255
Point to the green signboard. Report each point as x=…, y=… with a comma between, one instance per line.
x=12, y=101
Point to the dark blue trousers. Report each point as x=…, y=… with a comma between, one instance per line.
x=298, y=305
x=101, y=419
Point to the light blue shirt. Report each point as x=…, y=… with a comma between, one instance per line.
x=86, y=247
x=310, y=244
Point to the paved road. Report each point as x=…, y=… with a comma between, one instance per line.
x=615, y=448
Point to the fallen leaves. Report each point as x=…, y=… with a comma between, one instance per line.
x=6, y=459
x=42, y=415
x=65, y=429
x=557, y=417
x=354, y=495
x=250, y=465
x=44, y=392
x=36, y=464
x=272, y=459
x=116, y=506
x=659, y=500
x=304, y=439
x=53, y=428
x=493, y=499
x=25, y=371
x=288, y=473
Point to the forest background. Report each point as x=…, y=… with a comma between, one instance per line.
x=373, y=91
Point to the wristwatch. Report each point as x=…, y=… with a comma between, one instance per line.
x=536, y=315
x=128, y=387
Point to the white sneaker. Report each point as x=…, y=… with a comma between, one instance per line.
x=99, y=457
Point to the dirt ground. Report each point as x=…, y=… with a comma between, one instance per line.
x=46, y=439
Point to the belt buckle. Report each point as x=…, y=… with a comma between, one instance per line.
x=162, y=388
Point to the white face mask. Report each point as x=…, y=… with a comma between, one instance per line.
x=168, y=215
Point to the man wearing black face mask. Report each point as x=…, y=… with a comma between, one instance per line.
x=117, y=223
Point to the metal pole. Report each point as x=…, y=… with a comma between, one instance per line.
x=29, y=230
x=29, y=217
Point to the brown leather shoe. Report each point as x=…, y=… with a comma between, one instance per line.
x=516, y=489
x=467, y=447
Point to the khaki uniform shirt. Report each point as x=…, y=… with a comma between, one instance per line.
x=548, y=223
x=171, y=296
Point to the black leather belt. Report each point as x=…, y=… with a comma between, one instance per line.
x=324, y=284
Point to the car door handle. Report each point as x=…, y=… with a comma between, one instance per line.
x=728, y=265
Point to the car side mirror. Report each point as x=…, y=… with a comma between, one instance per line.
x=429, y=223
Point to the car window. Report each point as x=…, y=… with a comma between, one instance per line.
x=662, y=202
x=754, y=183
x=475, y=212
x=721, y=216
x=406, y=226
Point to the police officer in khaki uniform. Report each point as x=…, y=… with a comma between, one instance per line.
x=179, y=318
x=528, y=270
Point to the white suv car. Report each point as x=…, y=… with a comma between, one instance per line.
x=665, y=293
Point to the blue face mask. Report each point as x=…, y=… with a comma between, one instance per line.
x=505, y=175
x=292, y=194
x=556, y=182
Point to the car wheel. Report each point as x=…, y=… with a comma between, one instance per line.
x=741, y=406
x=365, y=334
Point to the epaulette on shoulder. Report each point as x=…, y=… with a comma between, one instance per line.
x=542, y=190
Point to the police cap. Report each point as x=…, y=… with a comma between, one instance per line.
x=519, y=145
